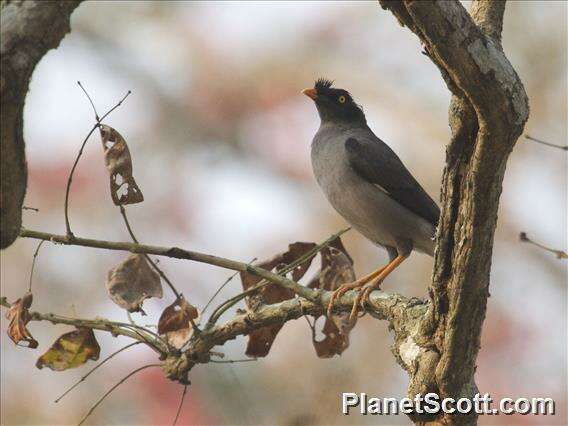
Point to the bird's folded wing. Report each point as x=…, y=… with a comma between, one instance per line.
x=375, y=162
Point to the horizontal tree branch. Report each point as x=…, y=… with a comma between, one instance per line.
x=176, y=253
x=403, y=315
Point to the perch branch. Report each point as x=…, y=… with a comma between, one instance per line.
x=403, y=314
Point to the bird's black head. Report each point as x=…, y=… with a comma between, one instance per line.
x=333, y=104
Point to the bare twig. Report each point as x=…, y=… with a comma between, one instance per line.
x=143, y=334
x=562, y=147
x=92, y=370
x=33, y=264
x=176, y=253
x=560, y=254
x=233, y=300
x=91, y=101
x=113, y=327
x=180, y=404
x=70, y=178
x=398, y=310
x=222, y=287
x=148, y=259
x=113, y=388
x=232, y=361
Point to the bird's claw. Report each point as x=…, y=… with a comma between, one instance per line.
x=362, y=300
x=336, y=295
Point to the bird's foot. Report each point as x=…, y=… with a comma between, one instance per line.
x=362, y=298
x=340, y=291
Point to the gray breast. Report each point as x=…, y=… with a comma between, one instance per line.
x=367, y=207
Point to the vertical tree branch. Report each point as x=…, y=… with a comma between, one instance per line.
x=487, y=114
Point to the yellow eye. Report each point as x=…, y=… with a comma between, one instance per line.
x=341, y=99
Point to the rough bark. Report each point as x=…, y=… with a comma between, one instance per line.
x=436, y=341
x=487, y=114
x=28, y=30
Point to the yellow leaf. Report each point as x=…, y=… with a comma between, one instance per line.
x=71, y=350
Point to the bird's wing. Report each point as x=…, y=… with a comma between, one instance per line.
x=375, y=162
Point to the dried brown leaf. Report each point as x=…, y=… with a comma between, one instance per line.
x=71, y=350
x=123, y=187
x=131, y=282
x=334, y=342
x=19, y=316
x=260, y=341
x=295, y=251
x=175, y=322
x=336, y=269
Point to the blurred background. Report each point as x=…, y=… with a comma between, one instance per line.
x=220, y=136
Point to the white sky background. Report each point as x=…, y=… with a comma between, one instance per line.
x=236, y=206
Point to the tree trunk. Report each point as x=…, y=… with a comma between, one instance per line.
x=487, y=114
x=28, y=30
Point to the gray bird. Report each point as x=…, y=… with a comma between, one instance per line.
x=365, y=181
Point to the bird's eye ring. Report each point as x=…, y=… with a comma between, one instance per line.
x=341, y=99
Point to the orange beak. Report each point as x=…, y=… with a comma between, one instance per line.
x=311, y=93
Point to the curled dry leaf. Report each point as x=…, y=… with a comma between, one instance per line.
x=260, y=340
x=123, y=187
x=131, y=282
x=19, y=316
x=175, y=322
x=336, y=269
x=71, y=350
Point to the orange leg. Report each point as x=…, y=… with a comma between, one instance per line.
x=350, y=286
x=363, y=295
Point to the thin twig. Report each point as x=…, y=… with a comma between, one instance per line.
x=312, y=326
x=232, y=361
x=562, y=147
x=222, y=287
x=33, y=264
x=70, y=178
x=148, y=259
x=91, y=101
x=560, y=254
x=113, y=388
x=180, y=404
x=151, y=342
x=233, y=300
x=92, y=370
x=139, y=330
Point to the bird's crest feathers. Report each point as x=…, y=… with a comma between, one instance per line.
x=323, y=83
